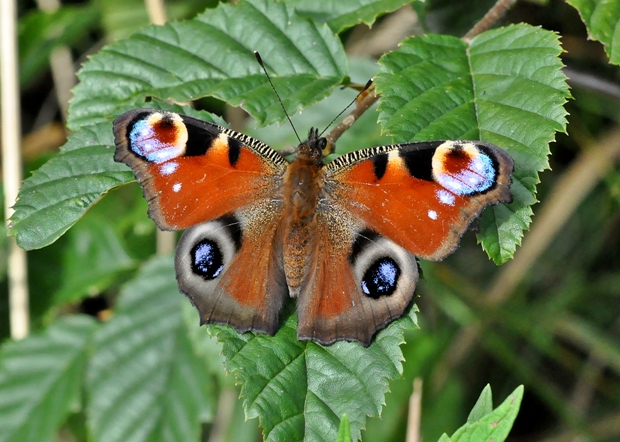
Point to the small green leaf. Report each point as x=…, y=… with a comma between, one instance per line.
x=41, y=379
x=341, y=15
x=344, y=431
x=212, y=55
x=483, y=406
x=602, y=18
x=299, y=390
x=494, y=426
x=505, y=87
x=145, y=383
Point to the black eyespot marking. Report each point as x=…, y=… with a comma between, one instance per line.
x=380, y=163
x=199, y=140
x=419, y=163
x=234, y=151
x=207, y=260
x=362, y=240
x=381, y=278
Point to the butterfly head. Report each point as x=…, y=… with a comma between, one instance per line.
x=315, y=147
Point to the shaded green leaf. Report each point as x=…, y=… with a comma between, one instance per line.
x=145, y=383
x=41, y=32
x=93, y=244
x=212, y=55
x=41, y=379
x=483, y=406
x=602, y=18
x=495, y=426
x=299, y=390
x=340, y=15
x=505, y=87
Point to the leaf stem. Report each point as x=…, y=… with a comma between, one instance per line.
x=489, y=18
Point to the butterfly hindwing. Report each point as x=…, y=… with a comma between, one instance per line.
x=231, y=269
x=356, y=286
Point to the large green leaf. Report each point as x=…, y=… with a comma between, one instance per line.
x=505, y=87
x=63, y=189
x=212, y=55
x=145, y=383
x=299, y=390
x=602, y=18
x=340, y=15
x=58, y=194
x=41, y=380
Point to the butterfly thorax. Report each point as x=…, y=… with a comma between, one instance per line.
x=302, y=184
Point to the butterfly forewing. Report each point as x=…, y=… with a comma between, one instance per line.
x=422, y=195
x=193, y=171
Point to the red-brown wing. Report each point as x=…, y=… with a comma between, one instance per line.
x=358, y=283
x=231, y=268
x=423, y=195
x=192, y=171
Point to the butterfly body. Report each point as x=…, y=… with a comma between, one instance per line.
x=340, y=237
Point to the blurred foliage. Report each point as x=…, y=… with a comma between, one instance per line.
x=556, y=330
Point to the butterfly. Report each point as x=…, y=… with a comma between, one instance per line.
x=341, y=237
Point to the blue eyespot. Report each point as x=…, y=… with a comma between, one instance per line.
x=207, y=260
x=476, y=177
x=147, y=142
x=381, y=278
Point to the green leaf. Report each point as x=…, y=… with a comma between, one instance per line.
x=483, y=406
x=58, y=194
x=341, y=15
x=299, y=390
x=93, y=244
x=505, y=87
x=41, y=32
x=344, y=431
x=41, y=379
x=212, y=55
x=145, y=383
x=495, y=426
x=63, y=189
x=602, y=18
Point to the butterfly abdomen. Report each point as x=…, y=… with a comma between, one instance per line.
x=302, y=185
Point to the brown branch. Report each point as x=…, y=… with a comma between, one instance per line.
x=362, y=106
x=489, y=18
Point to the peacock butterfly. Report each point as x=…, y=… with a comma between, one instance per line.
x=340, y=237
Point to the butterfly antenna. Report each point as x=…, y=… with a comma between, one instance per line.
x=262, y=65
x=364, y=89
